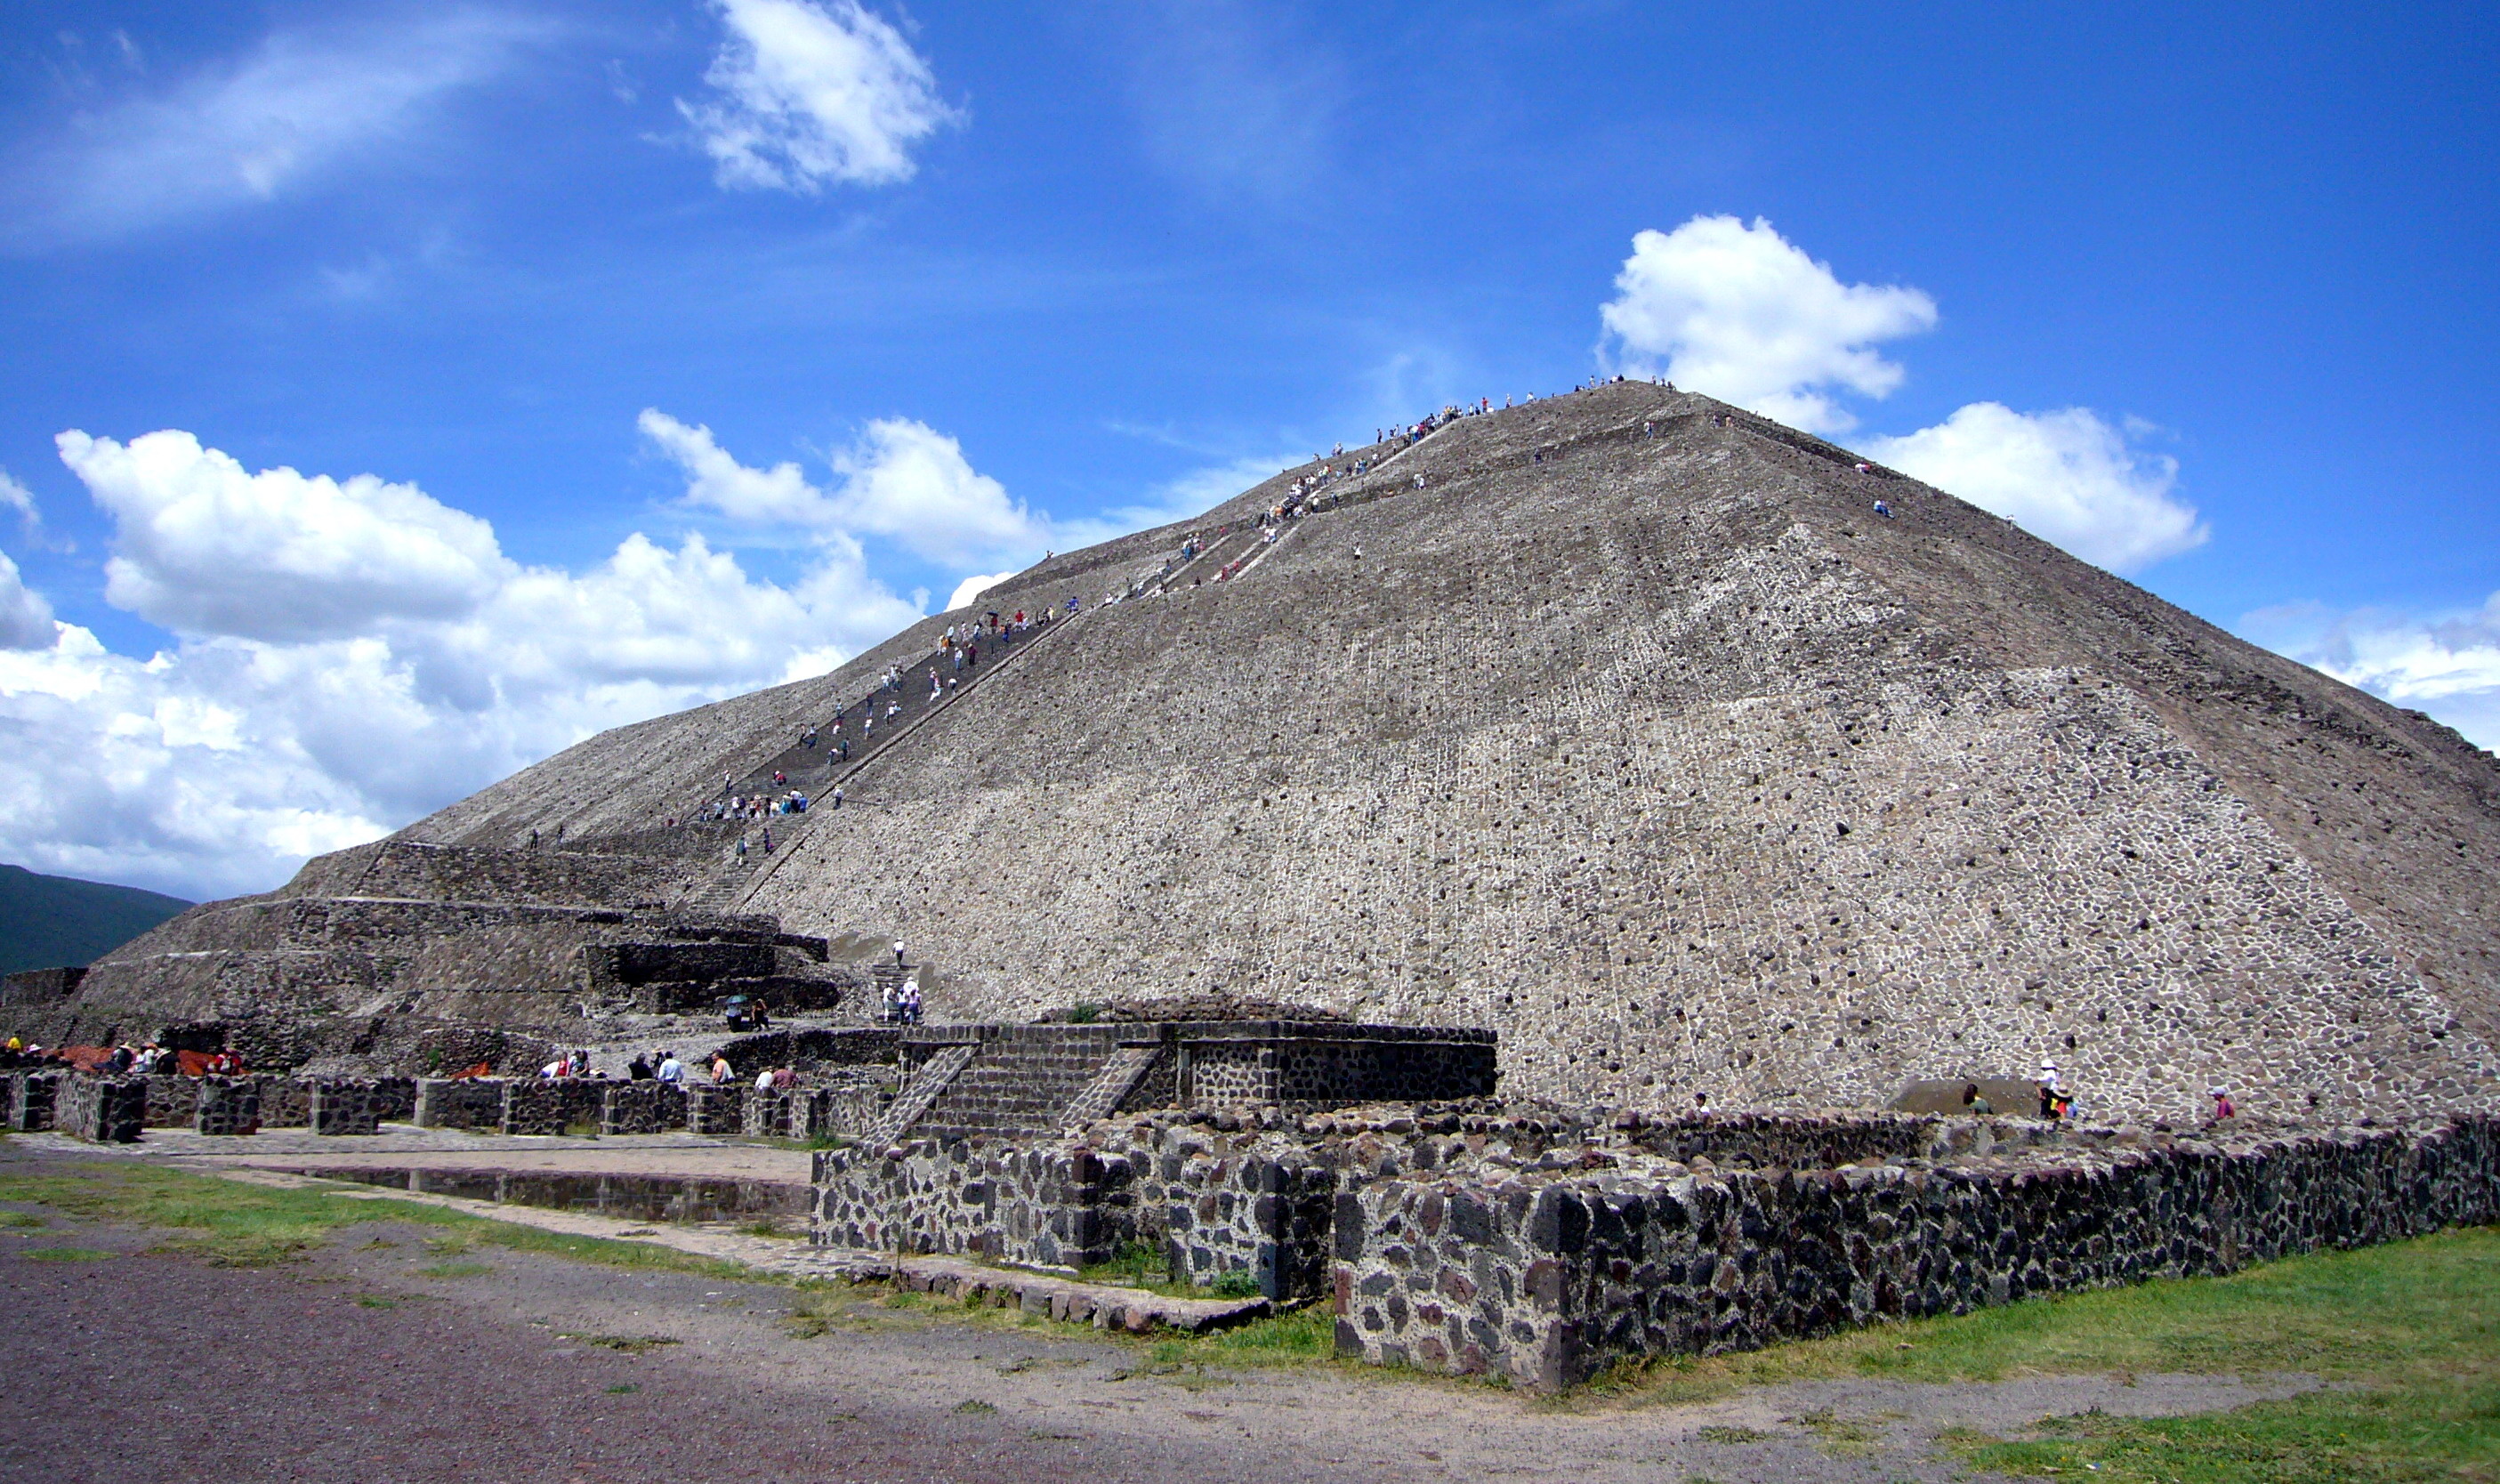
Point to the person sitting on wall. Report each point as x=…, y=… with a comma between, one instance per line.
x=764, y=1080
x=720, y=1071
x=671, y=1071
x=1973, y=1102
x=784, y=1079
x=638, y=1069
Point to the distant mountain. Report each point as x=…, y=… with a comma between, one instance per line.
x=47, y=921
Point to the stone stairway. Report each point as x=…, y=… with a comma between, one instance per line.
x=734, y=879
x=1017, y=1085
x=1112, y=1081
x=927, y=1086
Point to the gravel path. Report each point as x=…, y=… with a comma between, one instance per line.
x=379, y=1360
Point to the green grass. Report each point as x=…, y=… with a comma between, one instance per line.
x=65, y=1255
x=455, y=1271
x=630, y=1344
x=2408, y=1333
x=237, y=1224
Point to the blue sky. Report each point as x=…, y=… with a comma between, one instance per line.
x=397, y=393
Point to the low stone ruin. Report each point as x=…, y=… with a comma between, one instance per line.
x=1539, y=1244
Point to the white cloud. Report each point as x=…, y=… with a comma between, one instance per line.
x=264, y=734
x=202, y=546
x=2446, y=664
x=1739, y=313
x=302, y=103
x=776, y=496
x=2065, y=476
x=25, y=618
x=901, y=480
x=17, y=497
x=807, y=92
x=906, y=481
x=971, y=588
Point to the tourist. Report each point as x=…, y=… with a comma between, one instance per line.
x=2223, y=1107
x=671, y=1071
x=1973, y=1102
x=556, y=1069
x=2053, y=1090
x=890, y=1008
x=837, y=792
x=784, y=1079
x=764, y=1080
x=911, y=1003
x=1883, y=510
x=638, y=1069
x=720, y=1073
x=898, y=953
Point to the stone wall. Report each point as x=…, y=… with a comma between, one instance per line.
x=553, y=1104
x=32, y=1097
x=346, y=1105
x=642, y=1108
x=459, y=1102
x=227, y=1107
x=1544, y=1274
x=173, y=1100
x=284, y=1103
x=716, y=1108
x=102, y=1110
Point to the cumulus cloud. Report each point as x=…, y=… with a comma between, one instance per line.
x=2065, y=476
x=264, y=734
x=2446, y=665
x=805, y=93
x=25, y=618
x=1741, y=313
x=970, y=589
x=303, y=103
x=200, y=545
x=901, y=480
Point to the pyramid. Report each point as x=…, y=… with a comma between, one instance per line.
x=1623, y=723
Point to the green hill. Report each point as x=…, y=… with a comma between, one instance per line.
x=47, y=921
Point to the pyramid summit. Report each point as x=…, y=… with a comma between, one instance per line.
x=1695, y=756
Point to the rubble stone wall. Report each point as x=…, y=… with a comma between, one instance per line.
x=227, y=1107
x=716, y=1107
x=173, y=1100
x=553, y=1104
x=30, y=1099
x=461, y=1103
x=349, y=1105
x=642, y=1108
x=1544, y=1275
x=101, y=1110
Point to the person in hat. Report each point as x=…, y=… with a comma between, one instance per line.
x=2052, y=1088
x=2223, y=1107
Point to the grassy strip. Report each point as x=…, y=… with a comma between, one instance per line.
x=2410, y=1332
x=2447, y=1430
x=2423, y=1311
x=230, y=1223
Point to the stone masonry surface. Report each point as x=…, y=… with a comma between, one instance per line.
x=1635, y=733
x=1539, y=1244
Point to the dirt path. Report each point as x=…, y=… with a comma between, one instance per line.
x=378, y=1359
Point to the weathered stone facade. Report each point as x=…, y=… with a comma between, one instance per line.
x=1545, y=1274
x=346, y=1105
x=1539, y=1245
x=227, y=1107
x=642, y=1108
x=553, y=1104
x=717, y=1108
x=101, y=1109
x=459, y=1102
x=1636, y=732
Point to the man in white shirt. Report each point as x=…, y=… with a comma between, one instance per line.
x=671, y=1071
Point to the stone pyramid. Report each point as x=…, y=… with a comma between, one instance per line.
x=1623, y=723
